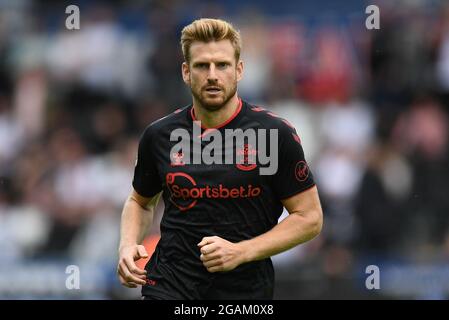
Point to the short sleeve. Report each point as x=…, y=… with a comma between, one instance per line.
x=146, y=180
x=293, y=175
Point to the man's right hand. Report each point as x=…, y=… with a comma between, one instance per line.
x=129, y=274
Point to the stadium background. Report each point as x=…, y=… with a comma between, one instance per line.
x=371, y=107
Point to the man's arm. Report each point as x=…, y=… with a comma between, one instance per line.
x=304, y=223
x=137, y=217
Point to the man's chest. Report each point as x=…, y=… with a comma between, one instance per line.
x=211, y=165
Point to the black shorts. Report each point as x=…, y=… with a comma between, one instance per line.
x=253, y=281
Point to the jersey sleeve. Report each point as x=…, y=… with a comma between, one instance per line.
x=293, y=175
x=146, y=179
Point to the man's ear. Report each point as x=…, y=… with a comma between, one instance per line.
x=239, y=70
x=186, y=73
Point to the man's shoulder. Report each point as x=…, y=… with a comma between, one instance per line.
x=174, y=119
x=267, y=118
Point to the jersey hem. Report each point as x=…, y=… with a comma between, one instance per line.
x=161, y=296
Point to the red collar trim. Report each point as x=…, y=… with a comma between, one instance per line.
x=236, y=112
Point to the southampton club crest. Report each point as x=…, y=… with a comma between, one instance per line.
x=247, y=154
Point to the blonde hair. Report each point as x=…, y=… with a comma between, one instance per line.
x=207, y=30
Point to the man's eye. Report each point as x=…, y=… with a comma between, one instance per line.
x=222, y=65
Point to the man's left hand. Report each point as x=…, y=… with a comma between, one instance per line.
x=220, y=255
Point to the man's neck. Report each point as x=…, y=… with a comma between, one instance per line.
x=211, y=119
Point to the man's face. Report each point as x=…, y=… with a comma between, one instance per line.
x=212, y=73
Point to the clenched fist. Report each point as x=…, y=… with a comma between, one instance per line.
x=218, y=254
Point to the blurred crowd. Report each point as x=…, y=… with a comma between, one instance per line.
x=371, y=107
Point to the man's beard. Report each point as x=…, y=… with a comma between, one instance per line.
x=217, y=105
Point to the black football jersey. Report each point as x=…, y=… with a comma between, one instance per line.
x=230, y=200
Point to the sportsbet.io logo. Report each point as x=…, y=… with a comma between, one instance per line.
x=185, y=193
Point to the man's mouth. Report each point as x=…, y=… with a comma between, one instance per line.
x=213, y=89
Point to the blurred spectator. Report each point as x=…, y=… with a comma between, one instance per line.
x=11, y=134
x=422, y=133
x=257, y=63
x=381, y=203
x=442, y=65
x=332, y=69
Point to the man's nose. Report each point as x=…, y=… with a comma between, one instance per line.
x=211, y=75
